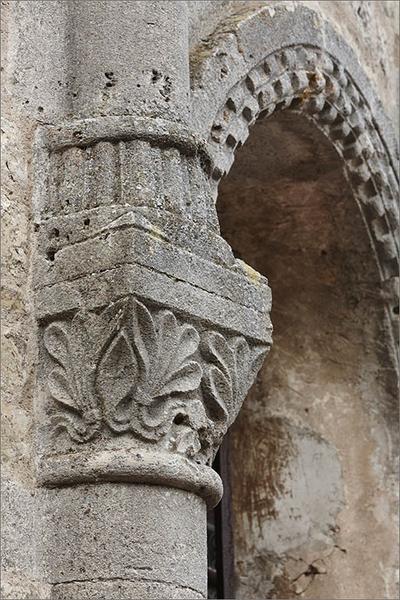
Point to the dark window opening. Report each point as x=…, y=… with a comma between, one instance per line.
x=220, y=534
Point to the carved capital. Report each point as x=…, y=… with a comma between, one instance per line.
x=136, y=377
x=151, y=333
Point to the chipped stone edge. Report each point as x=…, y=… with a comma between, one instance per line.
x=85, y=132
x=130, y=466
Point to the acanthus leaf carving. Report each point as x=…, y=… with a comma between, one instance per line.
x=60, y=388
x=67, y=385
x=174, y=371
x=116, y=378
x=142, y=371
x=155, y=353
x=228, y=374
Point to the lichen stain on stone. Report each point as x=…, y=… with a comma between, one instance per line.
x=318, y=21
x=269, y=452
x=251, y=273
x=157, y=233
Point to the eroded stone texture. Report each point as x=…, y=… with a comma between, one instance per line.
x=149, y=528
x=131, y=333
x=322, y=414
x=142, y=334
x=136, y=298
x=370, y=28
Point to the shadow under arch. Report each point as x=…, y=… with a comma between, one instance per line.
x=324, y=405
x=310, y=193
x=264, y=60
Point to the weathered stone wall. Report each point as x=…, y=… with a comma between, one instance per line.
x=20, y=115
x=369, y=27
x=64, y=60
x=313, y=452
x=58, y=63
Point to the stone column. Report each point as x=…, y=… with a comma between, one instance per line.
x=150, y=333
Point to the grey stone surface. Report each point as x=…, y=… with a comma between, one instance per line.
x=95, y=540
x=118, y=372
x=313, y=72
x=117, y=66
x=122, y=533
x=18, y=537
x=121, y=588
x=132, y=333
x=350, y=30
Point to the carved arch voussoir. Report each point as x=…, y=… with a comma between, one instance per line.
x=308, y=79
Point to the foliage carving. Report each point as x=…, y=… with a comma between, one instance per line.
x=69, y=386
x=230, y=370
x=141, y=371
x=144, y=370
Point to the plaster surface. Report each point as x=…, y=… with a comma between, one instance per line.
x=313, y=457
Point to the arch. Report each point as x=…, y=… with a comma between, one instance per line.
x=274, y=59
x=286, y=58
x=287, y=210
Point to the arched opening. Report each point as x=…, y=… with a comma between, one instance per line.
x=312, y=474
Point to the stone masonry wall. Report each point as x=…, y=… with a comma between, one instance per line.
x=28, y=72
x=369, y=27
